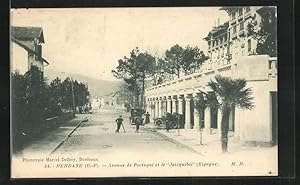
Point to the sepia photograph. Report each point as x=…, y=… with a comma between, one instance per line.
x=144, y=92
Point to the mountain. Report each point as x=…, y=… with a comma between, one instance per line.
x=97, y=87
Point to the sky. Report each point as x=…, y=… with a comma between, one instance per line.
x=90, y=41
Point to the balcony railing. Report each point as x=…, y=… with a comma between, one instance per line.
x=240, y=17
x=233, y=21
x=241, y=32
x=201, y=77
x=234, y=35
x=247, y=14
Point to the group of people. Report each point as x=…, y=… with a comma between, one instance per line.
x=120, y=120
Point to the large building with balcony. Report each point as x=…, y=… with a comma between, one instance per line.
x=241, y=43
x=232, y=54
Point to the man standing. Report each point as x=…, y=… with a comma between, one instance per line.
x=119, y=123
x=138, y=121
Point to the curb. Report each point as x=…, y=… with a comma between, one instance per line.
x=61, y=142
x=174, y=141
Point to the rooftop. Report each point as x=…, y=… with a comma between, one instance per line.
x=27, y=33
x=217, y=30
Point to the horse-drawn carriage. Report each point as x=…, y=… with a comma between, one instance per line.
x=136, y=116
x=170, y=121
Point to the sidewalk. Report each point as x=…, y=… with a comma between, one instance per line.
x=211, y=142
x=44, y=146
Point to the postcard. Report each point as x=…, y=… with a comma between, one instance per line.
x=144, y=92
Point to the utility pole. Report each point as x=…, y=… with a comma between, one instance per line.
x=73, y=98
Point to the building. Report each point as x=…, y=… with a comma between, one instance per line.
x=97, y=102
x=218, y=46
x=241, y=43
x=232, y=54
x=26, y=50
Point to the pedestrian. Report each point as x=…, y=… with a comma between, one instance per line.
x=147, y=118
x=119, y=123
x=168, y=121
x=138, y=121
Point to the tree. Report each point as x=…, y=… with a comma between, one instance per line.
x=183, y=59
x=174, y=59
x=158, y=72
x=67, y=100
x=30, y=99
x=145, y=66
x=56, y=90
x=230, y=93
x=192, y=58
x=125, y=96
x=266, y=35
x=133, y=71
x=127, y=70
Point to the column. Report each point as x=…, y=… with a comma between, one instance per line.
x=196, y=113
x=174, y=104
x=147, y=104
x=163, y=107
x=169, y=104
x=151, y=108
x=207, y=119
x=188, y=124
x=159, y=107
x=180, y=106
x=156, y=108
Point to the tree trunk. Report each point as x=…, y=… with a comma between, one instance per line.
x=200, y=125
x=143, y=90
x=224, y=129
x=137, y=98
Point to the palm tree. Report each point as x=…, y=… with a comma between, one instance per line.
x=230, y=93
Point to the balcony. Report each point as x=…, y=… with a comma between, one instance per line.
x=234, y=35
x=241, y=33
x=233, y=21
x=228, y=56
x=240, y=17
x=247, y=14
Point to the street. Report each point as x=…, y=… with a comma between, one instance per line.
x=97, y=136
x=95, y=150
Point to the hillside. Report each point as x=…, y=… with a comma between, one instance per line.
x=97, y=87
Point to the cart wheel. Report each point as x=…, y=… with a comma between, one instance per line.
x=138, y=120
x=173, y=125
x=158, y=122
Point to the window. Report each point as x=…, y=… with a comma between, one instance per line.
x=241, y=25
x=249, y=45
x=240, y=11
x=248, y=9
x=232, y=15
x=39, y=52
x=234, y=29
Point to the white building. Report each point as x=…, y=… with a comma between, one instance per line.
x=26, y=49
x=97, y=102
x=232, y=54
